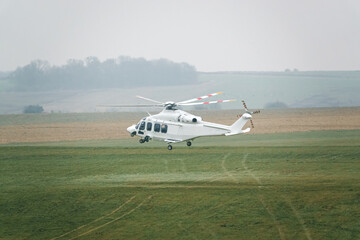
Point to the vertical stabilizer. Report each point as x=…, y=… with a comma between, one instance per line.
x=236, y=128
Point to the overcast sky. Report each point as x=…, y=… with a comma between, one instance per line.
x=259, y=35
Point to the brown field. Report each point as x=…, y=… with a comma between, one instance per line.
x=269, y=121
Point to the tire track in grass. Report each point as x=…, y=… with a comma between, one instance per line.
x=216, y=177
x=272, y=215
x=204, y=177
x=299, y=218
x=114, y=220
x=207, y=178
x=250, y=172
x=96, y=220
x=296, y=213
x=225, y=169
x=261, y=198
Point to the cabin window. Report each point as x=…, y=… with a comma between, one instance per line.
x=157, y=127
x=164, y=128
x=148, y=126
x=142, y=126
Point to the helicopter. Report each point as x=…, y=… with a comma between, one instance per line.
x=173, y=125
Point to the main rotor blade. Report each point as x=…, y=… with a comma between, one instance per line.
x=199, y=98
x=190, y=104
x=131, y=105
x=148, y=99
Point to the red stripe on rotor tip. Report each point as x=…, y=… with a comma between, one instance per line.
x=199, y=98
x=209, y=95
x=206, y=102
x=219, y=101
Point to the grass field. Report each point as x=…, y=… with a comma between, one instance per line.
x=302, y=185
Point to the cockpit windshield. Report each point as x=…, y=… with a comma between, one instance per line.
x=142, y=125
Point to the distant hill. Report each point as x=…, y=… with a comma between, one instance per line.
x=4, y=75
x=294, y=89
x=91, y=73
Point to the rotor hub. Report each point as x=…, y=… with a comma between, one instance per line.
x=170, y=105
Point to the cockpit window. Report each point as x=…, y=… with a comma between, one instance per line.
x=137, y=126
x=142, y=126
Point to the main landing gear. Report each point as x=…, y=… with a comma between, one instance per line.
x=146, y=139
x=187, y=143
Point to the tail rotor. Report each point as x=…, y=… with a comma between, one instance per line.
x=251, y=113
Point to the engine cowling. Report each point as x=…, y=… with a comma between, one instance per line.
x=189, y=119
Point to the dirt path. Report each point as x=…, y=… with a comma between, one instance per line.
x=268, y=121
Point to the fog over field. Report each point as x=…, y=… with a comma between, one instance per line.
x=81, y=88
x=273, y=54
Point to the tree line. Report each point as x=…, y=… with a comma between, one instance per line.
x=91, y=73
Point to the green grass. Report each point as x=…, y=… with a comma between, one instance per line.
x=290, y=186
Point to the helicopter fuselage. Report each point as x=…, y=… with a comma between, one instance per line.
x=173, y=126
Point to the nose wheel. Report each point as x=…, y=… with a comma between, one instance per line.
x=169, y=147
x=188, y=144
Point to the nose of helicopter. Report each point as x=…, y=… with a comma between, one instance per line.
x=131, y=129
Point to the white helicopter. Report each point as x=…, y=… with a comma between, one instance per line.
x=172, y=125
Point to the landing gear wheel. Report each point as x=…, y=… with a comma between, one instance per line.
x=169, y=147
x=188, y=144
x=141, y=141
x=133, y=134
x=146, y=139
